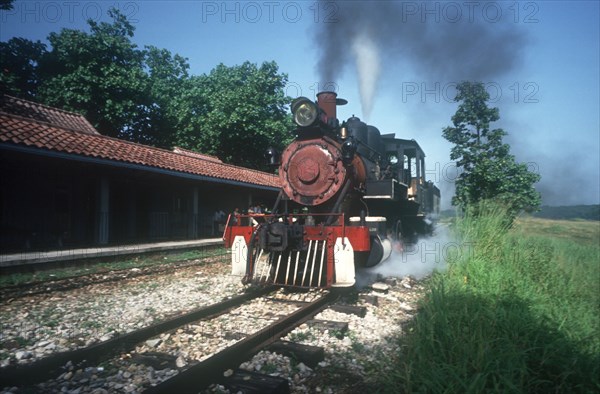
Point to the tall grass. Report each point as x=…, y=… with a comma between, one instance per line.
x=515, y=312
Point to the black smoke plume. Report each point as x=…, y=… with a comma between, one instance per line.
x=440, y=41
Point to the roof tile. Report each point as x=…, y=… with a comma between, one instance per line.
x=27, y=130
x=43, y=113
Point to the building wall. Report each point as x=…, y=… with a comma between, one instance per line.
x=49, y=203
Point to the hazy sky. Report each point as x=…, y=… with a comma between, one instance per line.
x=539, y=60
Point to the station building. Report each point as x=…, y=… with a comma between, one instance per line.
x=64, y=185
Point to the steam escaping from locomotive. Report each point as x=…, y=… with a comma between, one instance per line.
x=417, y=259
x=367, y=58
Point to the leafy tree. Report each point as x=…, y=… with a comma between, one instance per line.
x=19, y=72
x=99, y=74
x=125, y=92
x=147, y=96
x=162, y=111
x=190, y=108
x=489, y=171
x=241, y=111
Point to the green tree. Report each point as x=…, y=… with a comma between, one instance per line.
x=489, y=171
x=147, y=96
x=162, y=107
x=241, y=110
x=99, y=74
x=19, y=69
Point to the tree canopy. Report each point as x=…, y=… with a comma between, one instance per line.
x=244, y=113
x=99, y=74
x=489, y=171
x=20, y=63
x=147, y=95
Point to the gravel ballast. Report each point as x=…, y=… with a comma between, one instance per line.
x=37, y=326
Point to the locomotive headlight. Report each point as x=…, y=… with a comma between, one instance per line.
x=305, y=112
x=348, y=150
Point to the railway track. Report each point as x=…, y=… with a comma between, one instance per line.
x=108, y=276
x=167, y=352
x=152, y=356
x=279, y=316
x=46, y=368
x=211, y=370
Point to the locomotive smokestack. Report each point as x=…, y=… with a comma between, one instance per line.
x=327, y=102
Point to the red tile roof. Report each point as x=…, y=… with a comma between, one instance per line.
x=57, y=136
x=196, y=154
x=44, y=114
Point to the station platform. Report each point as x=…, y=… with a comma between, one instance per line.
x=65, y=255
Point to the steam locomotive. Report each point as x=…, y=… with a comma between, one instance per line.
x=348, y=193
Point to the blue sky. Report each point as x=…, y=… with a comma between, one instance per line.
x=549, y=98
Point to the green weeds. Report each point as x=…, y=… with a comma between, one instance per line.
x=268, y=368
x=301, y=336
x=519, y=313
x=87, y=268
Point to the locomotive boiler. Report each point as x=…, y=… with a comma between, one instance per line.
x=347, y=194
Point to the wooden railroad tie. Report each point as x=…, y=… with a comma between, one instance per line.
x=256, y=383
x=359, y=311
x=339, y=328
x=309, y=355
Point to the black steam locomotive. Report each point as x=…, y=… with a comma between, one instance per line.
x=347, y=192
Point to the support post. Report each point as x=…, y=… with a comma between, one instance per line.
x=194, y=219
x=103, y=211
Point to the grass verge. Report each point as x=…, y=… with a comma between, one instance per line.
x=102, y=265
x=520, y=312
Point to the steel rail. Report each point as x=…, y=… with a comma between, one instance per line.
x=209, y=371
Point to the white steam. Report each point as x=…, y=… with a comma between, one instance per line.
x=368, y=65
x=417, y=260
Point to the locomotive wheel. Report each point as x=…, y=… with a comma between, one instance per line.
x=376, y=252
